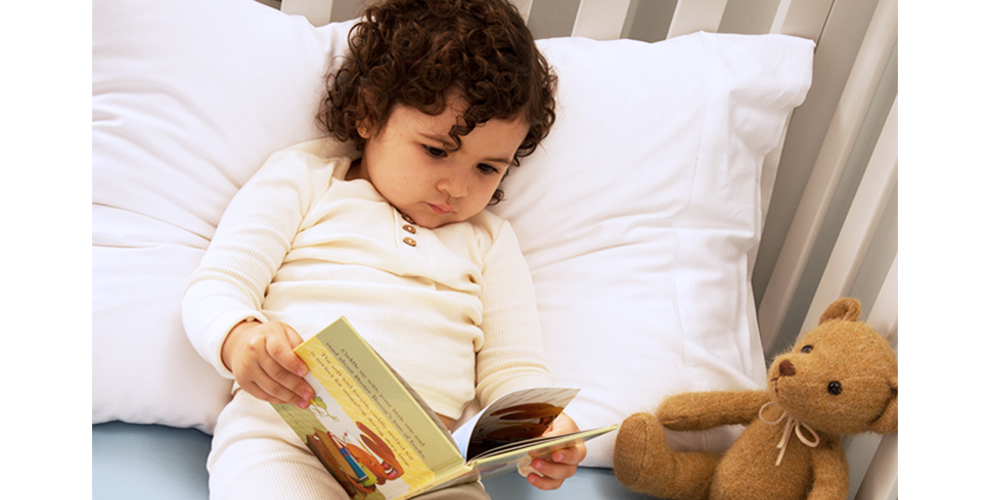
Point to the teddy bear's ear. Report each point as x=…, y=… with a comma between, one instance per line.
x=845, y=308
x=887, y=423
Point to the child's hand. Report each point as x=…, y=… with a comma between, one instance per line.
x=563, y=463
x=261, y=359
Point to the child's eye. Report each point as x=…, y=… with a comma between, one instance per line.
x=487, y=169
x=434, y=152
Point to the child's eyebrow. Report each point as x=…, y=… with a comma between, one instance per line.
x=442, y=139
x=498, y=160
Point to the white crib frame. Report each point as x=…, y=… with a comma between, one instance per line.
x=829, y=223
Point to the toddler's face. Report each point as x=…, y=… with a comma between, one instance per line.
x=411, y=162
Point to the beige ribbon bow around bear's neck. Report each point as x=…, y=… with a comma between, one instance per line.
x=792, y=424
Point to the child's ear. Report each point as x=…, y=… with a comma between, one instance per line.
x=365, y=129
x=366, y=126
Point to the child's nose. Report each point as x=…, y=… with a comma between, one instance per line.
x=455, y=184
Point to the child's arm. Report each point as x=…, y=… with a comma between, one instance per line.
x=247, y=249
x=512, y=356
x=563, y=463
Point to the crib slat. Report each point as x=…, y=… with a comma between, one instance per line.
x=868, y=464
x=860, y=450
x=601, y=19
x=857, y=232
x=316, y=11
x=748, y=17
x=804, y=18
x=883, y=315
x=880, y=482
x=861, y=86
x=524, y=7
x=696, y=15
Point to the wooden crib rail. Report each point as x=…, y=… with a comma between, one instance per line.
x=649, y=20
x=798, y=265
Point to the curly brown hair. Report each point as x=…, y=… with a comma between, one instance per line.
x=420, y=53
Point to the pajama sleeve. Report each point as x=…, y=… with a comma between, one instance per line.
x=512, y=354
x=252, y=238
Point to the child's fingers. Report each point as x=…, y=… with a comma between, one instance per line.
x=544, y=483
x=561, y=465
x=261, y=358
x=574, y=454
x=285, y=368
x=549, y=475
x=570, y=456
x=258, y=390
x=282, y=385
x=280, y=345
x=554, y=470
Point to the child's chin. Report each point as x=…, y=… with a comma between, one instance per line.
x=433, y=221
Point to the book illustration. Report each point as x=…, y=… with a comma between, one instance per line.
x=381, y=441
x=361, y=469
x=349, y=465
x=317, y=406
x=515, y=417
x=351, y=427
x=517, y=423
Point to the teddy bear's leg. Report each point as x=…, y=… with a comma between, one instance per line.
x=644, y=463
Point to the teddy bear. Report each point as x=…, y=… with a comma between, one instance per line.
x=839, y=379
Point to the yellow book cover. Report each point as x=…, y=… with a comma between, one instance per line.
x=381, y=441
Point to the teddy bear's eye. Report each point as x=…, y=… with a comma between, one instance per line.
x=835, y=388
x=807, y=348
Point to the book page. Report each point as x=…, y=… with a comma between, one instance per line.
x=364, y=425
x=513, y=457
x=514, y=417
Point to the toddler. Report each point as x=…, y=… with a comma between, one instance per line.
x=383, y=222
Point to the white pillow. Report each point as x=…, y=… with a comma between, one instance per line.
x=189, y=98
x=641, y=212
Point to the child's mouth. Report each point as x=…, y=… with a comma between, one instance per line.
x=440, y=209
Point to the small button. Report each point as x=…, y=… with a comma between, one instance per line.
x=407, y=219
x=409, y=241
x=409, y=229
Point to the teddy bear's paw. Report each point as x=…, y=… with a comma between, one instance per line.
x=638, y=444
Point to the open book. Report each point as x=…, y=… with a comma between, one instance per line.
x=381, y=441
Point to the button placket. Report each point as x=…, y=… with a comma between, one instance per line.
x=408, y=228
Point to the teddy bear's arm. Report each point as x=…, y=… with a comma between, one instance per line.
x=693, y=411
x=830, y=472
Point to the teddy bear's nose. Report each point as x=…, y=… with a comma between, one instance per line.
x=787, y=369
